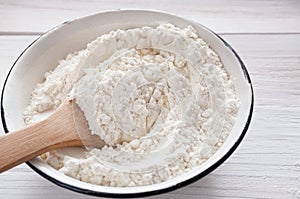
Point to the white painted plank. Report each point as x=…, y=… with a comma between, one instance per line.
x=265, y=165
x=230, y=16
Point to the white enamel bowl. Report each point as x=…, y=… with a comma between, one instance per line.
x=44, y=53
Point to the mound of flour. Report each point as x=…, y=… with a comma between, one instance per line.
x=160, y=96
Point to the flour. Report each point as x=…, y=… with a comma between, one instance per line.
x=160, y=96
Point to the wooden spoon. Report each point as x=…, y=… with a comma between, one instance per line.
x=57, y=131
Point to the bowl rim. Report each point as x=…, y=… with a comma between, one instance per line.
x=153, y=192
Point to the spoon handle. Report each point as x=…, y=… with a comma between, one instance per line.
x=53, y=133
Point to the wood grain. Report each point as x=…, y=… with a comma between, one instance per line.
x=231, y=16
x=267, y=36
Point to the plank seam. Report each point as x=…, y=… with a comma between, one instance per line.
x=7, y=33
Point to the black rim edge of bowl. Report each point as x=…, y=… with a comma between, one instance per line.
x=150, y=193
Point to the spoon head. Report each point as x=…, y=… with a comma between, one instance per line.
x=82, y=127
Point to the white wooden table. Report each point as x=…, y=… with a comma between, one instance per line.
x=266, y=34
